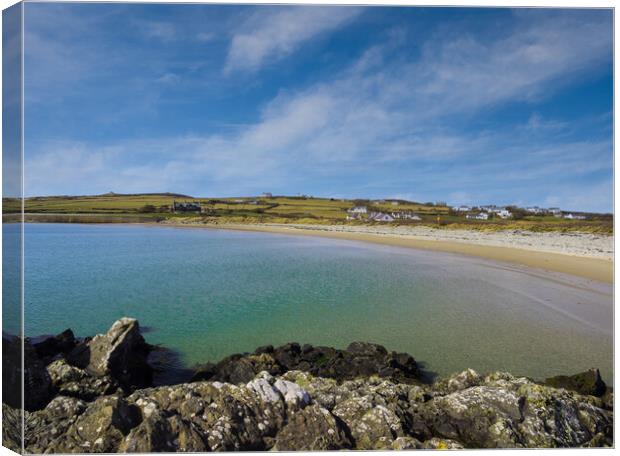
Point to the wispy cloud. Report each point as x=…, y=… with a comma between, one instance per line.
x=390, y=123
x=272, y=34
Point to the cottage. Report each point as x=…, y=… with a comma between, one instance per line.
x=405, y=215
x=358, y=210
x=192, y=206
x=555, y=211
x=267, y=195
x=504, y=213
x=380, y=217
x=461, y=208
x=480, y=216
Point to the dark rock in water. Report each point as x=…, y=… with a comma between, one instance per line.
x=588, y=382
x=37, y=382
x=11, y=371
x=121, y=353
x=51, y=347
x=359, y=359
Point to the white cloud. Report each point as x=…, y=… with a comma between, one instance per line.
x=383, y=125
x=274, y=33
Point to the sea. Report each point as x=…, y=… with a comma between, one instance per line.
x=208, y=293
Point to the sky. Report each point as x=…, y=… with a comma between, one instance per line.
x=464, y=105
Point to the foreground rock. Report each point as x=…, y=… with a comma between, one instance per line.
x=359, y=359
x=297, y=411
x=589, y=382
x=121, y=353
x=87, y=397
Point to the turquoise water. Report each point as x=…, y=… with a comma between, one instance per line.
x=210, y=293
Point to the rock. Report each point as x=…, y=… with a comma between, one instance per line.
x=238, y=368
x=441, y=444
x=45, y=426
x=372, y=426
x=100, y=428
x=12, y=428
x=37, y=384
x=61, y=344
x=359, y=359
x=72, y=381
x=588, y=382
x=121, y=353
x=406, y=443
x=12, y=371
x=312, y=429
x=503, y=411
x=369, y=399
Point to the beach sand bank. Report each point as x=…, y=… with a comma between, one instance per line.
x=583, y=255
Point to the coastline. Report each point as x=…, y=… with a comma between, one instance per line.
x=589, y=267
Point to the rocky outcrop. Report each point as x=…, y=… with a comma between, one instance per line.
x=359, y=359
x=36, y=381
x=68, y=380
x=56, y=346
x=121, y=353
x=362, y=398
x=297, y=411
x=589, y=382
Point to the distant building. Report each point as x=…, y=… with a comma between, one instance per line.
x=535, y=210
x=380, y=217
x=358, y=210
x=461, y=208
x=186, y=206
x=575, y=217
x=253, y=202
x=480, y=216
x=555, y=211
x=405, y=215
x=504, y=213
x=267, y=195
x=394, y=203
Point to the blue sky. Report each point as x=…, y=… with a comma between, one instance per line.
x=459, y=105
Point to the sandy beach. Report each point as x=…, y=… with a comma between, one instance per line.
x=581, y=254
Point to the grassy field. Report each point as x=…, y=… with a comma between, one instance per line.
x=115, y=208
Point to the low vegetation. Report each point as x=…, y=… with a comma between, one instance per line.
x=136, y=208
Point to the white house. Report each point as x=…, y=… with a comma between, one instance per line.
x=461, y=208
x=535, y=210
x=555, y=211
x=405, y=215
x=480, y=216
x=504, y=213
x=380, y=217
x=358, y=210
x=575, y=217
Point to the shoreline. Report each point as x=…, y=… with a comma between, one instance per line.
x=598, y=269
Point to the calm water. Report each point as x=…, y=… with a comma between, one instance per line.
x=210, y=293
